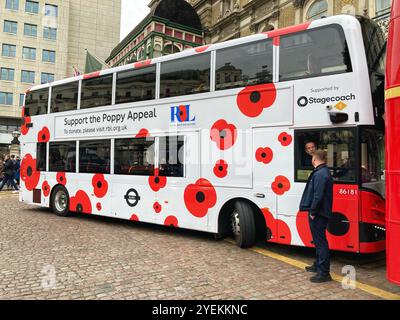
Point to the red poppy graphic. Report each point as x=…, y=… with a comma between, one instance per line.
x=223, y=134
x=285, y=139
x=200, y=197
x=221, y=169
x=201, y=49
x=28, y=171
x=157, y=207
x=24, y=126
x=303, y=228
x=44, y=135
x=264, y=155
x=61, y=178
x=254, y=99
x=157, y=182
x=81, y=203
x=280, y=185
x=278, y=230
x=100, y=185
x=143, y=63
x=143, y=133
x=171, y=221
x=98, y=206
x=183, y=115
x=46, y=188
x=134, y=217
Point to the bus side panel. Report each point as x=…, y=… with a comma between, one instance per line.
x=30, y=179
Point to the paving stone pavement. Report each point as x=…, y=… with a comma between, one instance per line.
x=43, y=256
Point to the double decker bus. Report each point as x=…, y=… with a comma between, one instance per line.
x=214, y=138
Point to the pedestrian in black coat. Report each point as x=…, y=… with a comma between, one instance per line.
x=9, y=173
x=317, y=200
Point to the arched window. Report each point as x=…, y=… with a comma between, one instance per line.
x=318, y=9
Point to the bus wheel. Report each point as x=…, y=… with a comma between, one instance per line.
x=243, y=224
x=59, y=201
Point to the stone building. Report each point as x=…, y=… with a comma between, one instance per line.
x=41, y=41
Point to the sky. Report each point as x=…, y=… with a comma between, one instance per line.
x=133, y=11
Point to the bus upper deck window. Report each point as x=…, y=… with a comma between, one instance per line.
x=314, y=52
x=36, y=102
x=96, y=92
x=64, y=97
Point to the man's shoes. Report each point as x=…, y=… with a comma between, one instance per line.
x=320, y=278
x=311, y=268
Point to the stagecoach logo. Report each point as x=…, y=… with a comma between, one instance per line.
x=337, y=100
x=181, y=115
x=132, y=197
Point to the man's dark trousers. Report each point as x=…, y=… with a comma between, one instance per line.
x=318, y=227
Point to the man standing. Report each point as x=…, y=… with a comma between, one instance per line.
x=317, y=200
x=8, y=173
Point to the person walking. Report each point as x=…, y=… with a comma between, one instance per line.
x=17, y=169
x=9, y=173
x=317, y=199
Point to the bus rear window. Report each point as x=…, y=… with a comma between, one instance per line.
x=96, y=92
x=64, y=97
x=185, y=76
x=36, y=102
x=312, y=53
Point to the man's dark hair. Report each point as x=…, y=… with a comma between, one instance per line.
x=12, y=156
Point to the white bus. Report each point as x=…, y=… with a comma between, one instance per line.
x=213, y=138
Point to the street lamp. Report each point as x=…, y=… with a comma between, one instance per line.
x=14, y=147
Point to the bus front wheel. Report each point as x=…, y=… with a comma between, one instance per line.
x=243, y=224
x=59, y=201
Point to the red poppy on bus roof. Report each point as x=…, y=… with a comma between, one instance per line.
x=142, y=64
x=254, y=99
x=81, y=203
x=24, y=126
x=201, y=49
x=280, y=185
x=28, y=172
x=221, y=169
x=100, y=185
x=157, y=207
x=223, y=134
x=171, y=221
x=61, y=178
x=200, y=197
x=143, y=133
x=157, y=182
x=46, y=188
x=278, y=230
x=134, y=217
x=44, y=135
x=285, y=139
x=287, y=30
x=264, y=155
x=98, y=206
x=91, y=75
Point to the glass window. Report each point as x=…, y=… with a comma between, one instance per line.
x=341, y=151
x=9, y=125
x=36, y=102
x=27, y=76
x=244, y=65
x=41, y=155
x=46, y=77
x=51, y=10
x=12, y=4
x=30, y=30
x=136, y=85
x=29, y=53
x=10, y=26
x=8, y=50
x=382, y=6
x=32, y=6
x=7, y=74
x=49, y=56
x=318, y=9
x=94, y=156
x=64, y=97
x=171, y=156
x=96, y=92
x=21, y=99
x=62, y=156
x=312, y=53
x=134, y=156
x=50, y=33
x=185, y=76
x=6, y=98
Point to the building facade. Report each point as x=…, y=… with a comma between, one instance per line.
x=42, y=40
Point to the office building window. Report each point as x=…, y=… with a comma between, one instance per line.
x=21, y=99
x=30, y=30
x=8, y=50
x=27, y=76
x=382, y=6
x=29, y=53
x=49, y=56
x=12, y=4
x=32, y=6
x=46, y=77
x=10, y=27
x=51, y=10
x=6, y=98
x=50, y=33
x=7, y=74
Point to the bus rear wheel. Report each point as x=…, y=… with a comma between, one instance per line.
x=243, y=224
x=59, y=201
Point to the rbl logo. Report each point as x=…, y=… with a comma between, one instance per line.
x=181, y=114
